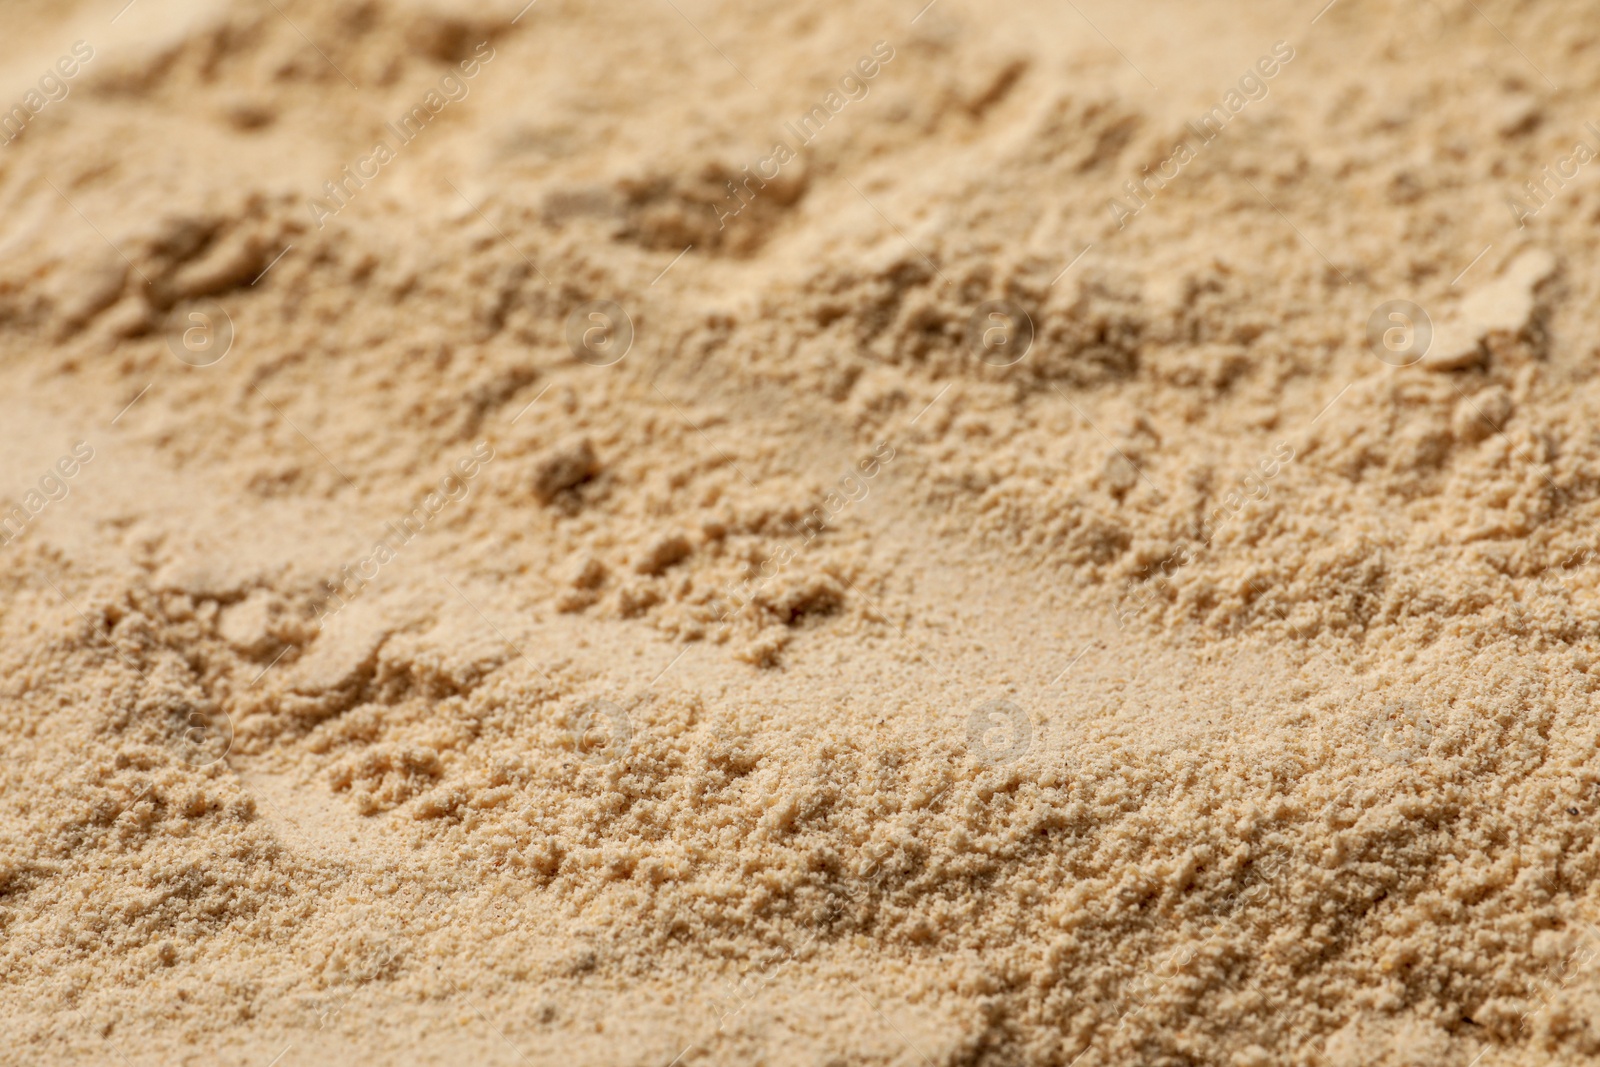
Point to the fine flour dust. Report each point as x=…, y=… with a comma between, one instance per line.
x=878, y=533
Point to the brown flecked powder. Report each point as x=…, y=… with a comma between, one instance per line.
x=866, y=533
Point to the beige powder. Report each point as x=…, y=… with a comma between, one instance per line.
x=601, y=589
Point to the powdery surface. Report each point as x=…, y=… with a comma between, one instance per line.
x=800, y=688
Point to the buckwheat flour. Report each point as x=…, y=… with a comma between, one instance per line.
x=835, y=534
